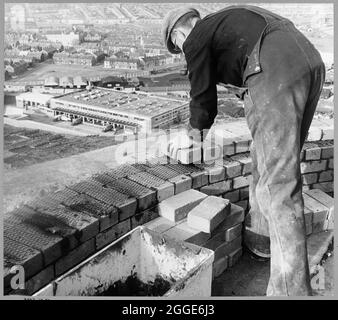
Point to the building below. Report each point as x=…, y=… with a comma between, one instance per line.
x=128, y=111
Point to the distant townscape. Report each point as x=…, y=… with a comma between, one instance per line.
x=102, y=69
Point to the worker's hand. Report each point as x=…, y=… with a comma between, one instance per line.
x=182, y=141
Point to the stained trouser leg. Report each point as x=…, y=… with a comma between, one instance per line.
x=276, y=106
x=256, y=235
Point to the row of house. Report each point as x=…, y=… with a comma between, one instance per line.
x=86, y=58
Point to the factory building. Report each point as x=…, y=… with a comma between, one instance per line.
x=128, y=111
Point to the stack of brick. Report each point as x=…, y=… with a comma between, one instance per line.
x=56, y=232
x=208, y=221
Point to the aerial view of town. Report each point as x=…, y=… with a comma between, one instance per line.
x=83, y=79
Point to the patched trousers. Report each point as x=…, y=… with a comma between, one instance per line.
x=279, y=106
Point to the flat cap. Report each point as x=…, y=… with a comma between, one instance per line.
x=169, y=22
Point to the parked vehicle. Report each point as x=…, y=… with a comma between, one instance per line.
x=108, y=127
x=76, y=121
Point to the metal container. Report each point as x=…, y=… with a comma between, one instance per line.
x=185, y=268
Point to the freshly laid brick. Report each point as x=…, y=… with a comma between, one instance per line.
x=234, y=257
x=50, y=245
x=245, y=160
x=199, y=179
x=308, y=215
x=177, y=207
x=37, y=282
x=219, y=266
x=217, y=189
x=312, y=152
x=188, y=156
x=232, y=196
x=16, y=253
x=326, y=176
x=242, y=146
x=310, y=178
x=313, y=166
x=222, y=248
x=159, y=225
x=232, y=168
x=143, y=217
x=208, y=214
x=111, y=234
x=181, y=182
x=163, y=188
x=324, y=186
x=212, y=152
x=215, y=173
x=240, y=182
x=233, y=232
x=320, y=212
x=75, y=257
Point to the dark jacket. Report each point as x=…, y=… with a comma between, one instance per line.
x=220, y=49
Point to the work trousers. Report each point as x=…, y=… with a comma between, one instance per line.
x=279, y=106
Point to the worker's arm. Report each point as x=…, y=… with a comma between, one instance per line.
x=203, y=93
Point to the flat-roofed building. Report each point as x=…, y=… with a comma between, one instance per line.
x=31, y=101
x=133, y=111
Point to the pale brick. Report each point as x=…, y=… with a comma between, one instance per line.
x=208, y=214
x=113, y=233
x=308, y=229
x=222, y=248
x=324, y=186
x=232, y=196
x=242, y=146
x=326, y=176
x=312, y=153
x=217, y=189
x=314, y=134
x=177, y=207
x=232, y=169
x=313, y=166
x=159, y=224
x=330, y=164
x=320, y=212
x=215, y=173
x=234, y=257
x=240, y=182
x=310, y=178
x=182, y=183
x=328, y=134
x=233, y=232
x=308, y=215
x=188, y=156
x=75, y=257
x=219, y=266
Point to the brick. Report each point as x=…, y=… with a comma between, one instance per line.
x=318, y=226
x=233, y=232
x=75, y=257
x=123, y=171
x=310, y=178
x=305, y=188
x=308, y=215
x=199, y=179
x=51, y=246
x=38, y=281
x=222, y=248
x=324, y=186
x=330, y=165
x=242, y=146
x=313, y=166
x=240, y=182
x=113, y=233
x=182, y=183
x=244, y=193
x=232, y=169
x=320, y=212
x=219, y=266
x=212, y=152
x=217, y=189
x=198, y=176
x=312, y=153
x=327, y=152
x=16, y=253
x=229, y=149
x=177, y=207
x=215, y=172
x=208, y=214
x=188, y=156
x=107, y=215
x=232, y=196
x=245, y=160
x=326, y=176
x=243, y=204
x=159, y=224
x=234, y=257
x=143, y=217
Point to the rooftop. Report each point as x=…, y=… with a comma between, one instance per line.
x=130, y=103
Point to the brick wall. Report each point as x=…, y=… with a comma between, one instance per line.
x=51, y=235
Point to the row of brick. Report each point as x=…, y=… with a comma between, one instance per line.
x=94, y=212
